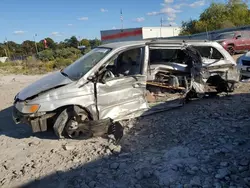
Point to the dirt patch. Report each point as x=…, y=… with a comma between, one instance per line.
x=237, y=56
x=203, y=144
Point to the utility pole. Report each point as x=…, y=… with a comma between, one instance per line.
x=7, y=47
x=121, y=20
x=35, y=43
x=161, y=26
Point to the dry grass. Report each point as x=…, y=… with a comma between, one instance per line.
x=23, y=68
x=33, y=66
x=237, y=56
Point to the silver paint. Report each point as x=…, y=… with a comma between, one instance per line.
x=117, y=98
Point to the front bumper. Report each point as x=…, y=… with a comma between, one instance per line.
x=37, y=123
x=18, y=117
x=245, y=73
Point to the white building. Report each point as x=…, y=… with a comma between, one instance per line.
x=3, y=59
x=115, y=35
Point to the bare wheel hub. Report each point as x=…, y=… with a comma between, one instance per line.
x=77, y=127
x=72, y=129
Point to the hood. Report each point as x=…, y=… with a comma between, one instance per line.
x=246, y=56
x=48, y=82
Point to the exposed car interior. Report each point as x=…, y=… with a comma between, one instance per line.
x=169, y=71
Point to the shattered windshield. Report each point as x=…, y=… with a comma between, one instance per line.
x=81, y=66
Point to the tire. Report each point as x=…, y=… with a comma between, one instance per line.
x=231, y=87
x=63, y=124
x=231, y=50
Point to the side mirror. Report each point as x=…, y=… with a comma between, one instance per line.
x=97, y=78
x=90, y=78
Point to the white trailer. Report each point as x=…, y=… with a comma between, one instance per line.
x=132, y=34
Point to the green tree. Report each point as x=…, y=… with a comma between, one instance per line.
x=72, y=42
x=46, y=55
x=50, y=43
x=238, y=12
x=14, y=49
x=219, y=16
x=67, y=49
x=40, y=46
x=28, y=47
x=2, y=50
x=188, y=27
x=94, y=43
x=61, y=45
x=85, y=43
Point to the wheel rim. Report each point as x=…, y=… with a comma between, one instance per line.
x=72, y=128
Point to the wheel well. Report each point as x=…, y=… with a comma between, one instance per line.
x=214, y=79
x=230, y=45
x=217, y=81
x=60, y=109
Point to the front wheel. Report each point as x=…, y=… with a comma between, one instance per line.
x=67, y=124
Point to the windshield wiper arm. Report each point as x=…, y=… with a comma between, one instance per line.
x=65, y=74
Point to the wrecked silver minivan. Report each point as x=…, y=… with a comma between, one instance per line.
x=124, y=80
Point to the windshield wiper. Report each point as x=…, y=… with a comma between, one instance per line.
x=65, y=74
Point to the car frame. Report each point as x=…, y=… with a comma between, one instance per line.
x=92, y=104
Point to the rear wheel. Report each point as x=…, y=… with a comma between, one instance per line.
x=231, y=50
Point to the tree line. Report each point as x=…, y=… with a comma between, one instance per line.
x=233, y=13
x=49, y=51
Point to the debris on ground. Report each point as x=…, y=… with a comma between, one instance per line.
x=205, y=144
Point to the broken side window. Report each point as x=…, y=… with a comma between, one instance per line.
x=127, y=63
x=209, y=52
x=163, y=56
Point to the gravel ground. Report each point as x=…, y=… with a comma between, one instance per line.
x=206, y=143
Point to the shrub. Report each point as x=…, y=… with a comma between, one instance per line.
x=61, y=63
x=63, y=53
x=67, y=53
x=5, y=64
x=46, y=55
x=50, y=66
x=32, y=62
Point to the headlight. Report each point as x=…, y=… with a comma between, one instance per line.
x=30, y=108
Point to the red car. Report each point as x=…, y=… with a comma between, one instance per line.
x=234, y=42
